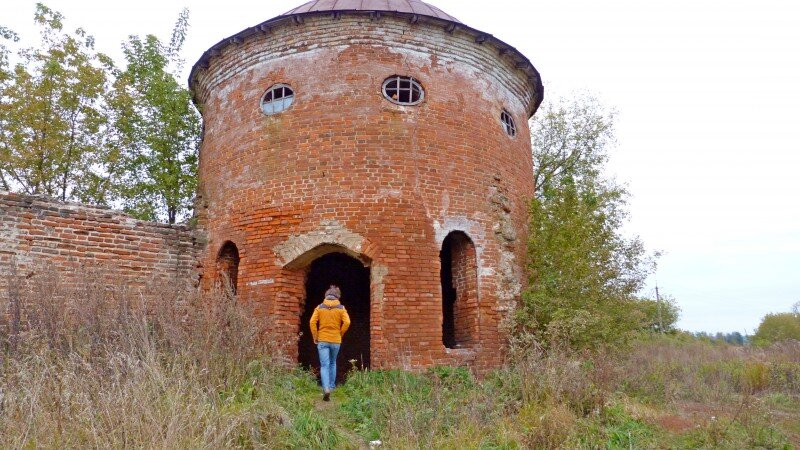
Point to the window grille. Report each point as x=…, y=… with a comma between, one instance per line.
x=277, y=99
x=508, y=123
x=403, y=90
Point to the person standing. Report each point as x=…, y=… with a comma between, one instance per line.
x=328, y=324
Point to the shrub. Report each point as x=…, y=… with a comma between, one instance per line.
x=778, y=328
x=583, y=271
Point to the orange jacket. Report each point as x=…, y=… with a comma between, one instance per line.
x=333, y=322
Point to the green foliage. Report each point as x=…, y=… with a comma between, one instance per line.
x=6, y=34
x=442, y=399
x=617, y=429
x=310, y=431
x=570, y=140
x=778, y=327
x=584, y=272
x=52, y=117
x=157, y=129
x=660, y=316
x=75, y=127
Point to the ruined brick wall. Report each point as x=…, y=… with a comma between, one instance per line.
x=48, y=238
x=346, y=170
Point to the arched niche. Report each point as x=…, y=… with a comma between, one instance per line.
x=228, y=267
x=459, y=276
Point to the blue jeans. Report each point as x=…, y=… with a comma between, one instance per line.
x=327, y=363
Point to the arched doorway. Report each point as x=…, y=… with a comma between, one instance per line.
x=228, y=267
x=353, y=278
x=459, y=275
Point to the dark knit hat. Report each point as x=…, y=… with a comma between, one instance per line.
x=333, y=292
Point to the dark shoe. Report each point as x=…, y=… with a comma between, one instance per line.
x=326, y=397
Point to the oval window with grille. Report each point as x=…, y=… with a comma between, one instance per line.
x=278, y=98
x=403, y=90
x=508, y=123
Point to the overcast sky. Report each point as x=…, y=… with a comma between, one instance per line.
x=707, y=94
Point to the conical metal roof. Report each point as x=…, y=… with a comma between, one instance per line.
x=401, y=6
x=410, y=8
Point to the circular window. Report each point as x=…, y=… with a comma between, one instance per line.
x=508, y=123
x=403, y=90
x=277, y=99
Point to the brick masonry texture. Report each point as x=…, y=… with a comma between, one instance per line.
x=45, y=238
x=345, y=170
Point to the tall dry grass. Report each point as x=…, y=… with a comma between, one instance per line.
x=96, y=364
x=99, y=364
x=663, y=392
x=674, y=370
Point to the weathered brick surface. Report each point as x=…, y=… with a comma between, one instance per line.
x=48, y=238
x=346, y=170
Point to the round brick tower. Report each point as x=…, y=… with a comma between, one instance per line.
x=381, y=146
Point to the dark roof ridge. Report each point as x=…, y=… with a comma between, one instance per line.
x=399, y=6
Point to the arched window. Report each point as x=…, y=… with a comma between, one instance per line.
x=278, y=98
x=459, y=276
x=508, y=123
x=403, y=90
x=228, y=267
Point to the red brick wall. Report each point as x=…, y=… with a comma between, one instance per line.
x=384, y=183
x=48, y=238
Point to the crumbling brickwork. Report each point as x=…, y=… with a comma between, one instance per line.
x=345, y=170
x=48, y=238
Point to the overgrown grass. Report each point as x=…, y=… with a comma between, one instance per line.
x=664, y=393
x=97, y=366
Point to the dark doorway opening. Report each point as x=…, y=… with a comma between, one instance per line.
x=228, y=267
x=459, y=291
x=448, y=295
x=353, y=278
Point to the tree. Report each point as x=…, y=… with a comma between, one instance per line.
x=52, y=119
x=157, y=129
x=6, y=34
x=778, y=327
x=660, y=315
x=570, y=140
x=734, y=338
x=583, y=272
